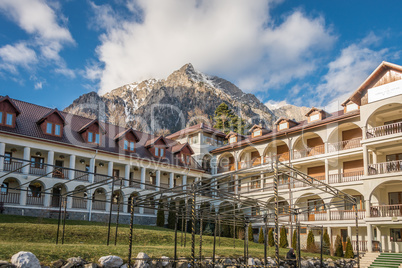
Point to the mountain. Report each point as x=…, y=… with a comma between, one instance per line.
x=152, y=105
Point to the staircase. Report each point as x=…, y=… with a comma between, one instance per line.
x=368, y=258
x=386, y=260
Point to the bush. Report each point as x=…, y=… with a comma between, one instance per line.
x=172, y=215
x=326, y=244
x=338, y=247
x=271, y=240
x=283, y=241
x=349, y=249
x=294, y=240
x=240, y=233
x=160, y=217
x=261, y=236
x=250, y=233
x=311, y=242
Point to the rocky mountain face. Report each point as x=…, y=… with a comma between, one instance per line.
x=152, y=105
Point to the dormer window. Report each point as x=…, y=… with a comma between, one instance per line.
x=52, y=123
x=49, y=128
x=314, y=117
x=129, y=145
x=283, y=125
x=57, y=130
x=159, y=152
x=257, y=133
x=9, y=119
x=351, y=107
x=93, y=137
x=232, y=139
x=8, y=112
x=53, y=129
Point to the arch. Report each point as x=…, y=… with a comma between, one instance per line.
x=99, y=199
x=226, y=162
x=276, y=148
x=10, y=191
x=249, y=157
x=308, y=144
x=341, y=204
x=312, y=206
x=383, y=114
x=57, y=195
x=206, y=162
x=80, y=197
x=131, y=196
x=344, y=136
x=36, y=193
x=283, y=204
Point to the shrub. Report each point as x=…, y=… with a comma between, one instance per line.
x=338, y=247
x=160, y=217
x=326, y=243
x=294, y=240
x=261, y=236
x=349, y=249
x=172, y=215
x=283, y=241
x=311, y=242
x=271, y=240
x=240, y=233
x=250, y=233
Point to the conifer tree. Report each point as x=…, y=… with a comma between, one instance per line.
x=294, y=240
x=283, y=240
x=261, y=236
x=338, y=247
x=326, y=243
x=160, y=216
x=226, y=120
x=311, y=242
x=349, y=249
x=250, y=233
x=172, y=215
x=271, y=240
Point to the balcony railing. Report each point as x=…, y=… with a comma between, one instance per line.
x=150, y=187
x=309, y=152
x=35, y=200
x=10, y=198
x=135, y=183
x=362, y=245
x=79, y=203
x=99, y=205
x=345, y=177
x=314, y=216
x=303, y=184
x=164, y=186
x=13, y=166
x=40, y=171
x=347, y=214
x=81, y=175
x=249, y=164
x=385, y=167
x=228, y=167
x=60, y=172
x=344, y=145
x=386, y=211
x=384, y=130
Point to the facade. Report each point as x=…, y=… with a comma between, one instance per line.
x=357, y=149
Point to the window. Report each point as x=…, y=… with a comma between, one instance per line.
x=283, y=125
x=90, y=137
x=188, y=159
x=395, y=198
x=257, y=133
x=4, y=187
x=7, y=158
x=131, y=146
x=232, y=139
x=314, y=117
x=156, y=151
x=37, y=162
x=1, y=117
x=359, y=200
x=162, y=152
x=97, y=138
x=57, y=130
x=395, y=235
x=125, y=145
x=49, y=127
x=9, y=120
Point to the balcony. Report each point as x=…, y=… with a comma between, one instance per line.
x=385, y=167
x=10, y=198
x=81, y=175
x=13, y=166
x=317, y=150
x=386, y=211
x=347, y=214
x=344, y=145
x=345, y=177
x=35, y=200
x=249, y=164
x=99, y=205
x=303, y=184
x=37, y=170
x=229, y=167
x=80, y=203
x=384, y=130
x=313, y=216
x=61, y=173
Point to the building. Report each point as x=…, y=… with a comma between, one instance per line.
x=357, y=149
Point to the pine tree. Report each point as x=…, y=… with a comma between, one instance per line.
x=226, y=120
x=326, y=243
x=338, y=247
x=294, y=240
x=160, y=216
x=261, y=236
x=271, y=240
x=283, y=240
x=172, y=215
x=349, y=249
x=311, y=242
x=250, y=233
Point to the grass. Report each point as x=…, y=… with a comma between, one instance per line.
x=88, y=240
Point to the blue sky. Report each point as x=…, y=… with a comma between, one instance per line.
x=311, y=53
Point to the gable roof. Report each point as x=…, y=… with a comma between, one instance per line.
x=287, y=119
x=232, y=133
x=54, y=111
x=86, y=126
x=179, y=147
x=122, y=134
x=313, y=109
x=151, y=142
x=384, y=66
x=7, y=98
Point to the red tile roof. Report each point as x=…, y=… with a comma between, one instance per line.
x=196, y=128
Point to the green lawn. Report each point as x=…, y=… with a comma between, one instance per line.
x=88, y=240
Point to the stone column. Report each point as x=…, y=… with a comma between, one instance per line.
x=184, y=182
x=69, y=202
x=110, y=169
x=236, y=184
x=365, y=159
x=379, y=238
x=368, y=208
x=108, y=198
x=27, y=157
x=369, y=238
x=171, y=180
x=71, y=172
x=47, y=198
x=158, y=180
x=127, y=175
x=92, y=170
x=326, y=171
x=50, y=162
x=350, y=232
x=2, y=152
x=143, y=169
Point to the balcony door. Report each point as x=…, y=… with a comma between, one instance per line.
x=395, y=201
x=58, y=171
x=394, y=162
x=344, y=236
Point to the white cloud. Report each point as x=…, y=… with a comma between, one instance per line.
x=38, y=85
x=272, y=105
x=44, y=27
x=231, y=38
x=348, y=71
x=17, y=55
